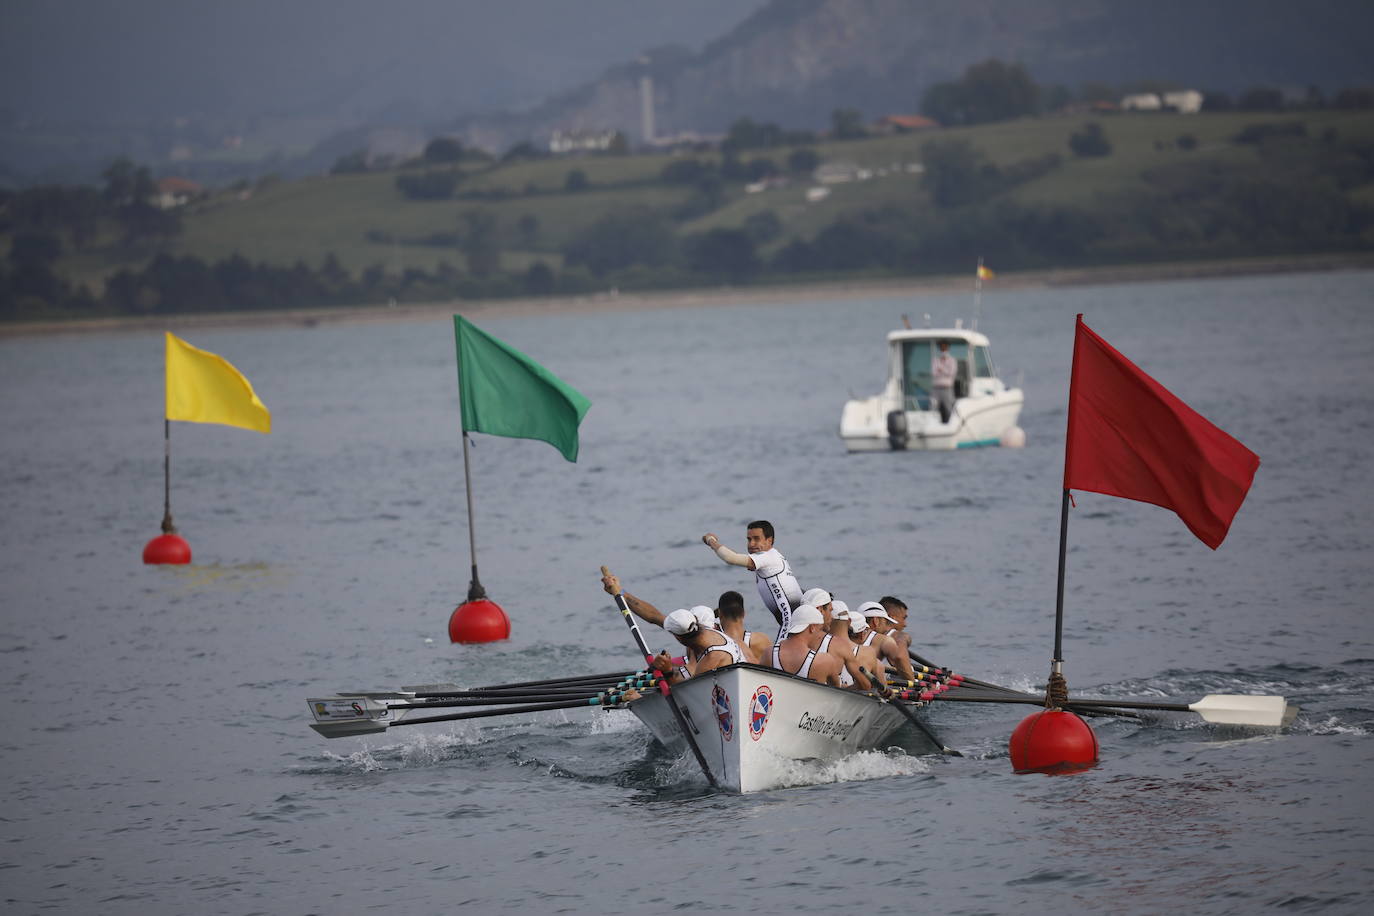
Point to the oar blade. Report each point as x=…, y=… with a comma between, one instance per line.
x=347, y=717
x=1234, y=709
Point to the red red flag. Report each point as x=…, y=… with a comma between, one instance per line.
x=1129, y=437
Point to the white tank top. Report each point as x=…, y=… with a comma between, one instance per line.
x=777, y=587
x=803, y=671
x=730, y=647
x=868, y=640
x=846, y=679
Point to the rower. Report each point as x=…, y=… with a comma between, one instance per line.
x=820, y=599
x=850, y=654
x=777, y=585
x=796, y=653
x=896, y=609
x=711, y=648
x=880, y=628
x=755, y=645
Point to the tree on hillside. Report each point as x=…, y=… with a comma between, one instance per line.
x=1090, y=141
x=623, y=238
x=724, y=254
x=847, y=124
x=444, y=149
x=479, y=242
x=957, y=173
x=989, y=91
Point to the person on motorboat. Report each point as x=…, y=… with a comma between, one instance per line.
x=777, y=585
x=880, y=635
x=797, y=652
x=943, y=369
x=851, y=655
x=730, y=612
x=711, y=648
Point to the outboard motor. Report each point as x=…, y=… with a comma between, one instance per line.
x=896, y=430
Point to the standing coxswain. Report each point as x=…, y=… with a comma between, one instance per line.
x=777, y=585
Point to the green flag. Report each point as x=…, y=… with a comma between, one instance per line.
x=505, y=393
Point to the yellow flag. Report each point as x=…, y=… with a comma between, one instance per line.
x=205, y=388
x=985, y=273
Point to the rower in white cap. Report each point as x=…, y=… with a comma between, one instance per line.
x=879, y=636
x=796, y=653
x=777, y=586
x=711, y=648
x=853, y=656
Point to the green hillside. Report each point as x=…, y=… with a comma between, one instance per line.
x=308, y=220
x=1148, y=187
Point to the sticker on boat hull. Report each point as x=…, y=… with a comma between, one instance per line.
x=760, y=708
x=725, y=716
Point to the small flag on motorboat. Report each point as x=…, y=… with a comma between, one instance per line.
x=205, y=388
x=1128, y=436
x=985, y=273
x=505, y=393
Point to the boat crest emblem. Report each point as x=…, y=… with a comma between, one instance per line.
x=725, y=716
x=760, y=708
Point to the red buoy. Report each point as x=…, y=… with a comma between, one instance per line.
x=1053, y=741
x=167, y=548
x=478, y=621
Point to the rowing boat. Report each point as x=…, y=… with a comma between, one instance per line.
x=754, y=724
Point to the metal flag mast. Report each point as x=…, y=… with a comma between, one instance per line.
x=475, y=590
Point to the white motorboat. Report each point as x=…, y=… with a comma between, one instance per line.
x=906, y=416
x=752, y=723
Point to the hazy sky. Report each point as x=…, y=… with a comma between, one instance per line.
x=78, y=60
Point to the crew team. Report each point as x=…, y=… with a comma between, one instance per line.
x=818, y=637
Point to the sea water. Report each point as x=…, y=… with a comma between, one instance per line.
x=154, y=738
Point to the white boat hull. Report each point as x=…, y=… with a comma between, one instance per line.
x=975, y=422
x=750, y=722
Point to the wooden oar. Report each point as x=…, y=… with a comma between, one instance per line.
x=911, y=717
x=623, y=606
x=1221, y=709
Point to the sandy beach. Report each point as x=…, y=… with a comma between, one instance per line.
x=612, y=300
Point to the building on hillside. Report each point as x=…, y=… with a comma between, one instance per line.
x=1141, y=101
x=581, y=141
x=840, y=172
x=1184, y=101
x=175, y=192
x=903, y=124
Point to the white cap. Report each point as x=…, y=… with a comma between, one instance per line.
x=705, y=616
x=681, y=622
x=857, y=622
x=816, y=597
x=838, y=607
x=874, y=609
x=803, y=615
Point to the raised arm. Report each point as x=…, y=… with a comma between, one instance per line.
x=641, y=609
x=726, y=554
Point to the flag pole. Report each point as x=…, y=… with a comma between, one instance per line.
x=977, y=291
x=1059, y=598
x=475, y=590
x=167, y=526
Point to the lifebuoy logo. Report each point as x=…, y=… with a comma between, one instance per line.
x=760, y=708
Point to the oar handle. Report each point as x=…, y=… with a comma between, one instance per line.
x=911, y=717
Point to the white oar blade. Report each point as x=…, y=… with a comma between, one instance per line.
x=345, y=717
x=1233, y=709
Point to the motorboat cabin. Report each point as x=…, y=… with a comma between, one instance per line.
x=906, y=415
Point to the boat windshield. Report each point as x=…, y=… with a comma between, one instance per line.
x=916, y=359
x=982, y=363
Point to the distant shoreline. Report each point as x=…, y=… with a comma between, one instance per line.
x=713, y=296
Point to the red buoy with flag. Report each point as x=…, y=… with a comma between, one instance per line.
x=201, y=388
x=502, y=392
x=1128, y=436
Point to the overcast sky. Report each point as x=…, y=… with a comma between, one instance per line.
x=79, y=60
